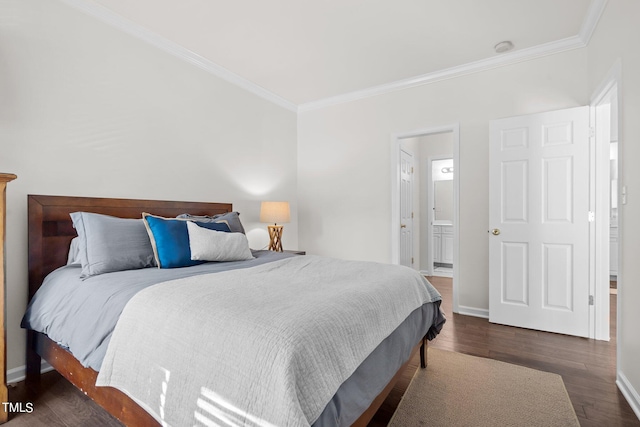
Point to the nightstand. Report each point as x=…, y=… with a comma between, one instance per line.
x=295, y=252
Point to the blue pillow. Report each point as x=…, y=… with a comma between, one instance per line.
x=231, y=218
x=170, y=239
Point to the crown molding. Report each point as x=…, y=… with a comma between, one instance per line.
x=513, y=57
x=113, y=19
x=596, y=8
x=581, y=40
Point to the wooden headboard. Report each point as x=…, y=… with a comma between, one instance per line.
x=51, y=229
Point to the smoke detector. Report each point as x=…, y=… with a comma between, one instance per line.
x=503, y=47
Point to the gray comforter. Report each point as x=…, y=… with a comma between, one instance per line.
x=263, y=346
x=81, y=314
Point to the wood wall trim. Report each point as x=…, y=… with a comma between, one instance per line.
x=4, y=395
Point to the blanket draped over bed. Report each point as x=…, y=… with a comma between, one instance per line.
x=263, y=346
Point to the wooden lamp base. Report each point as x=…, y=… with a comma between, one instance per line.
x=275, y=238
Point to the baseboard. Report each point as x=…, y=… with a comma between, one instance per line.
x=435, y=273
x=19, y=374
x=629, y=393
x=472, y=311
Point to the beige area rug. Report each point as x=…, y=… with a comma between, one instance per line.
x=460, y=390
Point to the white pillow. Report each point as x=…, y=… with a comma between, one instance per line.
x=74, y=252
x=212, y=245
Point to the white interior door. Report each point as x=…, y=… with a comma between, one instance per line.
x=406, y=209
x=539, y=221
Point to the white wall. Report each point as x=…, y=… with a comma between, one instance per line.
x=344, y=157
x=616, y=38
x=86, y=110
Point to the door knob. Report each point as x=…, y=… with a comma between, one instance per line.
x=403, y=225
x=495, y=231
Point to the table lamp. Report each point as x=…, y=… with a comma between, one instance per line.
x=275, y=212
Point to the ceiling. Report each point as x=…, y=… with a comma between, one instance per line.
x=303, y=52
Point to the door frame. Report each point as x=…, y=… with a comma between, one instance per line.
x=609, y=88
x=396, y=138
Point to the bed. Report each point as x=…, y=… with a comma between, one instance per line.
x=50, y=234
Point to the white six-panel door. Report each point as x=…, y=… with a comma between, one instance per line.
x=539, y=221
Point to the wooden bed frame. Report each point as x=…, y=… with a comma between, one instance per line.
x=50, y=234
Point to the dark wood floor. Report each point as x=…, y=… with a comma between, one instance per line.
x=56, y=403
x=587, y=367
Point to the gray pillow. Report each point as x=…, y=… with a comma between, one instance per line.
x=109, y=244
x=231, y=218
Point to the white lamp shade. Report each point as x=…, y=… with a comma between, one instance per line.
x=275, y=212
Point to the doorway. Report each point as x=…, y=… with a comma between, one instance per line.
x=426, y=145
x=439, y=195
x=510, y=299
